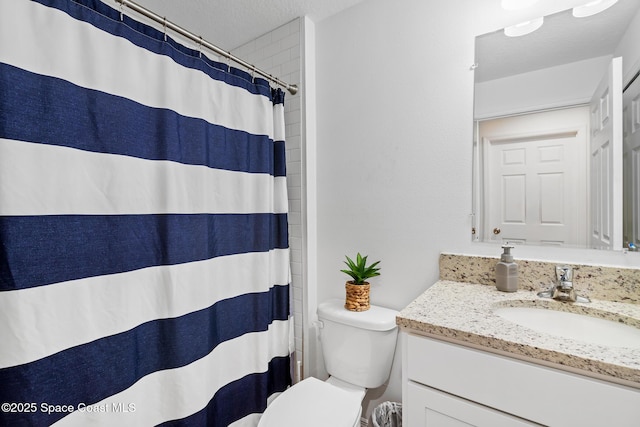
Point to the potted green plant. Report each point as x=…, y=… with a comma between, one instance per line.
x=357, y=289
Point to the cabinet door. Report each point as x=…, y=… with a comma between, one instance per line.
x=432, y=408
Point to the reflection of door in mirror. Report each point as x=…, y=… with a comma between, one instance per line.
x=631, y=108
x=537, y=187
x=606, y=159
x=534, y=178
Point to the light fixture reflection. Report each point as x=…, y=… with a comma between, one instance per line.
x=517, y=4
x=523, y=28
x=592, y=8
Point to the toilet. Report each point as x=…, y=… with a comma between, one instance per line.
x=358, y=349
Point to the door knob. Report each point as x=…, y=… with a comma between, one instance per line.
x=496, y=230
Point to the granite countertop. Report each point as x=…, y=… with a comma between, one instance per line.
x=464, y=313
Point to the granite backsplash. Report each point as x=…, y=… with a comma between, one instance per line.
x=597, y=282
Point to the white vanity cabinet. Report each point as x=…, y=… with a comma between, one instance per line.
x=446, y=384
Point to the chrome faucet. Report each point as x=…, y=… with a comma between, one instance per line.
x=562, y=289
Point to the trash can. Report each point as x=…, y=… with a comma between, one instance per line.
x=387, y=414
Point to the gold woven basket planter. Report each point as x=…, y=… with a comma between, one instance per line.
x=357, y=297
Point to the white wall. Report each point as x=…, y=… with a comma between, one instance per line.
x=394, y=131
x=391, y=168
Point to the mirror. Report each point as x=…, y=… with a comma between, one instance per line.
x=535, y=184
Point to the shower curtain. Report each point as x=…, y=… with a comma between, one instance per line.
x=144, y=261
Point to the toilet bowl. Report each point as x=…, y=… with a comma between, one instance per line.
x=358, y=349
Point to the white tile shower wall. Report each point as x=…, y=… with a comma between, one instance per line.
x=278, y=53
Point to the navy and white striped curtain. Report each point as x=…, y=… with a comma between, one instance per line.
x=144, y=261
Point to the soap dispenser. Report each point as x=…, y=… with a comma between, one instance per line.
x=507, y=271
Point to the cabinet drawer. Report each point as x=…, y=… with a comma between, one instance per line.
x=431, y=408
x=533, y=392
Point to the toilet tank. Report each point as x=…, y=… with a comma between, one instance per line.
x=358, y=347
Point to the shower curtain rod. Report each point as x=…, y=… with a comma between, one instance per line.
x=293, y=89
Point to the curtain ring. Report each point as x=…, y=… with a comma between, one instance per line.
x=228, y=62
x=200, y=47
x=121, y=14
x=164, y=27
x=253, y=73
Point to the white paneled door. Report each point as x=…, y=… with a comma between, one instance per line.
x=535, y=178
x=606, y=160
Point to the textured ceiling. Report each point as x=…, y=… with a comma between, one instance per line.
x=231, y=23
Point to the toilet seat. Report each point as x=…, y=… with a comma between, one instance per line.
x=313, y=403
